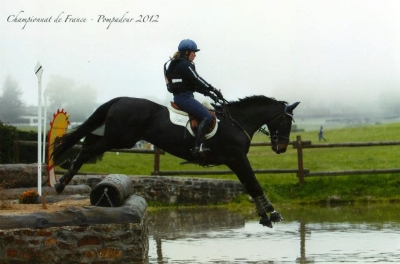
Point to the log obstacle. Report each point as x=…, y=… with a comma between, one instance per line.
x=15, y=193
x=111, y=191
x=18, y=178
x=88, y=234
x=132, y=210
x=20, y=175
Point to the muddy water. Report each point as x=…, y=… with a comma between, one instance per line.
x=308, y=235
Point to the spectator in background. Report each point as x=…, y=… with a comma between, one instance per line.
x=321, y=134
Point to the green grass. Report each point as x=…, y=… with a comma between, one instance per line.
x=284, y=188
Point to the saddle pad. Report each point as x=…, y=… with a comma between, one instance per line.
x=181, y=118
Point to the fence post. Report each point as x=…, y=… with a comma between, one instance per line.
x=300, y=172
x=156, y=170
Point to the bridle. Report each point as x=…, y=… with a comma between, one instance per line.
x=275, y=137
x=281, y=117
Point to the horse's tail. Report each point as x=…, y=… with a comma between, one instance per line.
x=68, y=140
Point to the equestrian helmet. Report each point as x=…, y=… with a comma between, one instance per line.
x=187, y=44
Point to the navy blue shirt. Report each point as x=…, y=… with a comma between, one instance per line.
x=183, y=77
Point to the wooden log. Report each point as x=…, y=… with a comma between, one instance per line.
x=294, y=143
x=20, y=175
x=132, y=211
x=89, y=179
x=15, y=193
x=220, y=172
x=132, y=150
x=111, y=191
x=354, y=172
x=49, y=199
x=354, y=144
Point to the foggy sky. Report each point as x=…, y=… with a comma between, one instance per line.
x=316, y=52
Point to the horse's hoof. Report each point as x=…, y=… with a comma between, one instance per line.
x=276, y=217
x=59, y=187
x=265, y=221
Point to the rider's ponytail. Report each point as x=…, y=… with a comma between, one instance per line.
x=176, y=55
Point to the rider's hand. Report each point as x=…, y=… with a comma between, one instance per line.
x=218, y=94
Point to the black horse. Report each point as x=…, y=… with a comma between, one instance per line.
x=128, y=120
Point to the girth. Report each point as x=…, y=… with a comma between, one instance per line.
x=194, y=121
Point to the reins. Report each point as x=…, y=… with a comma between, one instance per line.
x=226, y=113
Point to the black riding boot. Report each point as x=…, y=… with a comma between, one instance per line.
x=199, y=149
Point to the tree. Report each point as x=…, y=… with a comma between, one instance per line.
x=11, y=105
x=77, y=101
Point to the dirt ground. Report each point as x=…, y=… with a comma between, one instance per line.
x=12, y=207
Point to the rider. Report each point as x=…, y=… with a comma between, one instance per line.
x=183, y=80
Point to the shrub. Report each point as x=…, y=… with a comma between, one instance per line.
x=8, y=135
x=28, y=197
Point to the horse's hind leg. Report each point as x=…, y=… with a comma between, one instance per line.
x=87, y=152
x=244, y=172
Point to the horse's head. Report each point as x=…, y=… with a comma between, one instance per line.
x=280, y=127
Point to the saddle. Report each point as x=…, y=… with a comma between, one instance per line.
x=194, y=121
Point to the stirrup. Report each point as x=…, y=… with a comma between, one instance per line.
x=200, y=151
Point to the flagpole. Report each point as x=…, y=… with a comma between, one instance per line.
x=38, y=73
x=44, y=126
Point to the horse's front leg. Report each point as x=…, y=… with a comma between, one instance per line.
x=264, y=206
x=242, y=169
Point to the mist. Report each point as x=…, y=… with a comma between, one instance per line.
x=338, y=58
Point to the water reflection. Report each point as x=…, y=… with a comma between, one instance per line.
x=185, y=225
x=309, y=235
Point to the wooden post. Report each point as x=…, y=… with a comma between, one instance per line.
x=156, y=170
x=300, y=172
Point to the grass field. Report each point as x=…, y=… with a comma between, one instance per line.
x=284, y=188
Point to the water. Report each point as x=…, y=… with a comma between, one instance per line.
x=219, y=236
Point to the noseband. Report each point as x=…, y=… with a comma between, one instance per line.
x=275, y=137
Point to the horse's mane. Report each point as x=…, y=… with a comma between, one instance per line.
x=256, y=99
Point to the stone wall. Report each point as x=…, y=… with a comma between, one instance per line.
x=77, y=235
x=177, y=190
x=108, y=243
x=180, y=190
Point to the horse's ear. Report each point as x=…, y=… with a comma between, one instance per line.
x=290, y=108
